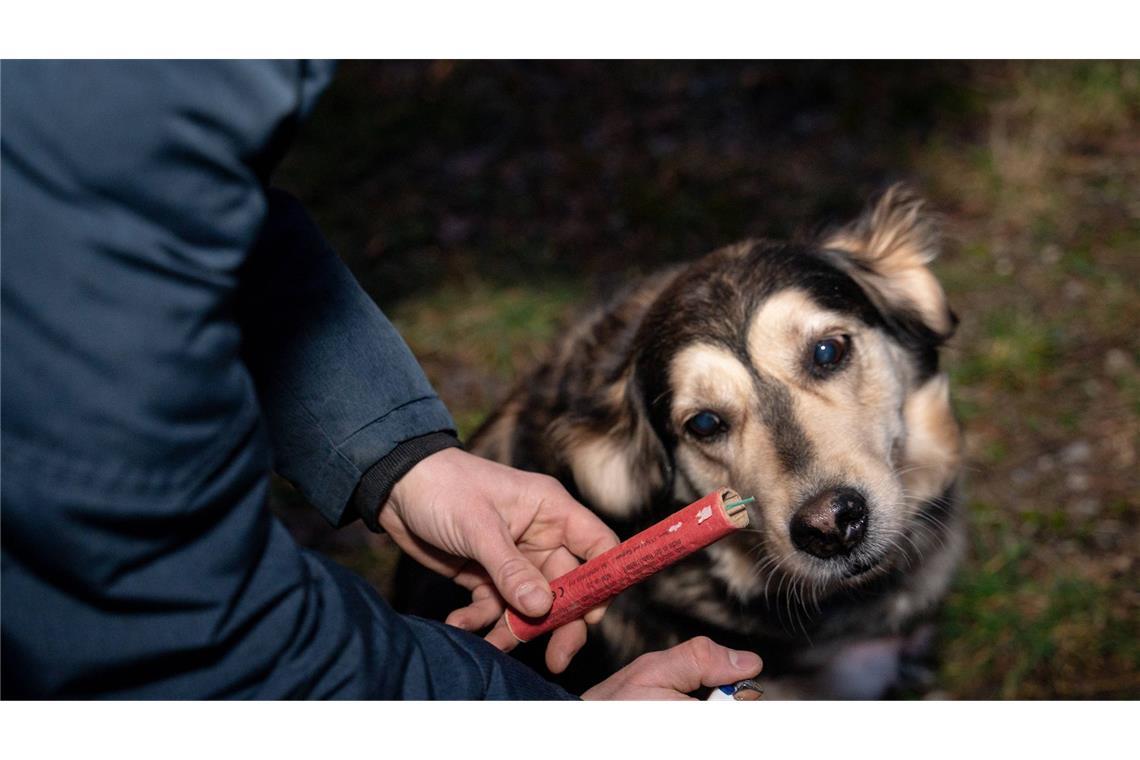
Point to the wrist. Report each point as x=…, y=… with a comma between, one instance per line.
x=379, y=483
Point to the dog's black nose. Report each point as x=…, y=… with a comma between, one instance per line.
x=832, y=523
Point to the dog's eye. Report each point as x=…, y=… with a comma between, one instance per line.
x=829, y=352
x=704, y=424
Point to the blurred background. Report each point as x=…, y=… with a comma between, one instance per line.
x=484, y=204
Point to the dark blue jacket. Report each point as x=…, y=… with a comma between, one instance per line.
x=172, y=330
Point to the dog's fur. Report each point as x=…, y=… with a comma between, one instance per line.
x=733, y=334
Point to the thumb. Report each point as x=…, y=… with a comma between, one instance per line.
x=695, y=663
x=518, y=581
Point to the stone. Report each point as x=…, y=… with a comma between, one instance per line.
x=1077, y=452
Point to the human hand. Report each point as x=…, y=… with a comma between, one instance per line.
x=673, y=673
x=500, y=533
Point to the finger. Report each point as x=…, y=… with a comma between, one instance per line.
x=472, y=577
x=568, y=639
x=477, y=615
x=564, y=644
x=561, y=561
x=584, y=533
x=595, y=615
x=501, y=636
x=519, y=582
x=558, y=562
x=695, y=663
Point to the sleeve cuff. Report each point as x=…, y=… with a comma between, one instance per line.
x=378, y=480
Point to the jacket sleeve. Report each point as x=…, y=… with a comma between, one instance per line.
x=341, y=391
x=138, y=557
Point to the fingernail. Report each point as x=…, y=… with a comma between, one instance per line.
x=532, y=599
x=744, y=660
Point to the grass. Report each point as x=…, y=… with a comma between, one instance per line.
x=1045, y=364
x=483, y=204
x=485, y=323
x=473, y=338
x=1041, y=632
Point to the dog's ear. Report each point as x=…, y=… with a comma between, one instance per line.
x=605, y=438
x=888, y=251
x=932, y=456
x=618, y=463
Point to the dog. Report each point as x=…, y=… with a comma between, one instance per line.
x=804, y=374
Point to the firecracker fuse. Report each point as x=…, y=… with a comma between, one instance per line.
x=597, y=581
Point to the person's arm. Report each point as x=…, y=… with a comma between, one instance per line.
x=139, y=558
x=349, y=408
x=352, y=415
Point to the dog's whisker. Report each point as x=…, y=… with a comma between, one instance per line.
x=803, y=609
x=902, y=550
x=762, y=564
x=899, y=471
x=934, y=519
x=789, y=602
x=931, y=522
x=771, y=574
x=759, y=568
x=798, y=606
x=937, y=538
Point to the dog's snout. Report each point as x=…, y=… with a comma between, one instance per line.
x=829, y=524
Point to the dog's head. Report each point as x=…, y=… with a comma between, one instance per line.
x=805, y=375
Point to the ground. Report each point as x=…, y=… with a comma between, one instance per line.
x=484, y=204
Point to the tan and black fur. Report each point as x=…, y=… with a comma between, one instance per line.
x=734, y=334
